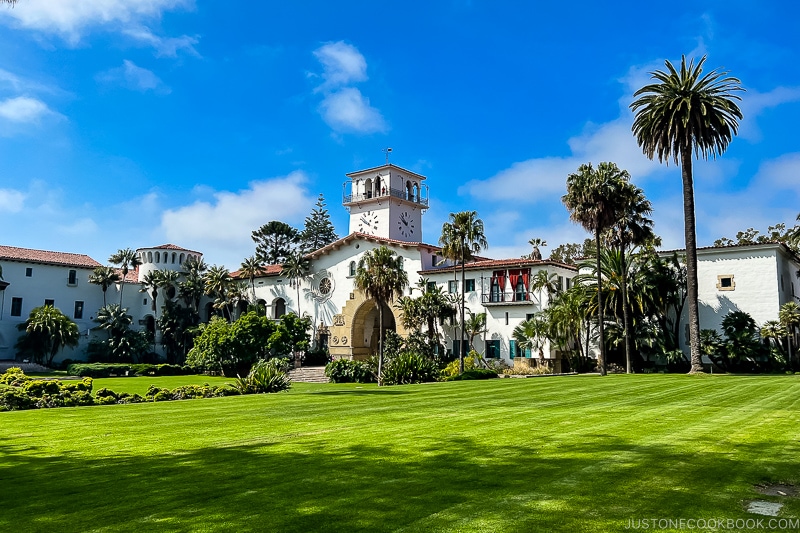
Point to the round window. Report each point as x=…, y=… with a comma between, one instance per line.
x=325, y=286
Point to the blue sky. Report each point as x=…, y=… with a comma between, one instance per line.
x=132, y=123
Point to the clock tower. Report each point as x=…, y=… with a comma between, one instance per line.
x=386, y=201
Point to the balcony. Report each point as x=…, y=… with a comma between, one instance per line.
x=393, y=193
x=508, y=298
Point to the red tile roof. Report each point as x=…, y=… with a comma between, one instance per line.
x=498, y=263
x=371, y=238
x=266, y=270
x=28, y=255
x=169, y=247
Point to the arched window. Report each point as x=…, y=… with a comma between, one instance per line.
x=352, y=268
x=409, y=192
x=181, y=258
x=158, y=257
x=174, y=255
x=378, y=186
x=149, y=257
x=416, y=192
x=278, y=308
x=368, y=188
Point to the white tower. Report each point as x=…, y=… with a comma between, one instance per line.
x=386, y=201
x=164, y=257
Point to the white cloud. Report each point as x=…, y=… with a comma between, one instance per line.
x=347, y=110
x=343, y=107
x=11, y=201
x=133, y=77
x=165, y=46
x=779, y=174
x=754, y=103
x=221, y=228
x=23, y=109
x=71, y=19
x=342, y=64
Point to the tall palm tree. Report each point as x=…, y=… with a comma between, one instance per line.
x=682, y=114
x=789, y=316
x=296, y=268
x=474, y=326
x=193, y=287
x=105, y=277
x=532, y=334
x=150, y=285
x=251, y=267
x=593, y=202
x=128, y=260
x=632, y=228
x=544, y=281
x=536, y=243
x=462, y=238
x=217, y=279
x=381, y=276
x=168, y=279
x=114, y=319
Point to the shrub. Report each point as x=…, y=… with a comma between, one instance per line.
x=14, y=399
x=346, y=371
x=40, y=387
x=130, y=398
x=410, y=367
x=14, y=376
x=527, y=371
x=317, y=357
x=453, y=367
x=264, y=377
x=475, y=373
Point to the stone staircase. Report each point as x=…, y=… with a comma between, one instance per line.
x=26, y=367
x=309, y=374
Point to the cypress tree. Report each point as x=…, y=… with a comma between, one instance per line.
x=318, y=230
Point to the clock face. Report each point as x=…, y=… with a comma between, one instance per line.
x=405, y=224
x=368, y=222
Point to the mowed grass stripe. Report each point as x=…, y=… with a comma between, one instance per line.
x=556, y=454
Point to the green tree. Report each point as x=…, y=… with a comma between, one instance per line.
x=296, y=268
x=461, y=240
x=177, y=326
x=632, y=228
x=544, y=282
x=536, y=243
x=192, y=288
x=380, y=275
x=216, y=280
x=532, y=334
x=46, y=331
x=105, y=277
x=789, y=316
x=318, y=230
x=150, y=285
x=250, y=268
x=124, y=344
x=593, y=202
x=474, y=326
x=274, y=241
x=570, y=252
x=680, y=115
x=128, y=260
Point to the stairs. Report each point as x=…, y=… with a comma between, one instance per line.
x=308, y=374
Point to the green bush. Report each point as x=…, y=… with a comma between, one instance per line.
x=265, y=377
x=475, y=373
x=104, y=370
x=14, y=376
x=408, y=368
x=346, y=371
x=453, y=367
x=14, y=399
x=40, y=387
x=130, y=398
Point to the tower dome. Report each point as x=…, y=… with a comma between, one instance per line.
x=164, y=257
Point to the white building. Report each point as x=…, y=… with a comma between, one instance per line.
x=386, y=206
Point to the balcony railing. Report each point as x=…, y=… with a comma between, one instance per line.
x=497, y=298
x=394, y=193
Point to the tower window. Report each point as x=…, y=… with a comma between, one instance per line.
x=72, y=279
x=16, y=306
x=78, y=314
x=50, y=302
x=28, y=272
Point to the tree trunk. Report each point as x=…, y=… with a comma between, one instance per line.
x=122, y=284
x=691, y=260
x=461, y=338
x=601, y=356
x=626, y=319
x=380, y=342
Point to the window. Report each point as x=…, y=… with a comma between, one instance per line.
x=431, y=286
x=434, y=260
x=725, y=282
x=469, y=285
x=506, y=318
x=569, y=283
x=144, y=301
x=529, y=316
x=28, y=272
x=78, y=314
x=517, y=351
x=352, y=268
x=493, y=349
x=73, y=277
x=51, y=303
x=16, y=306
x=560, y=283
x=452, y=286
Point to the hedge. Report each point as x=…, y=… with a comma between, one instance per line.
x=104, y=370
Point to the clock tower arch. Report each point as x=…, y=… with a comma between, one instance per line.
x=386, y=201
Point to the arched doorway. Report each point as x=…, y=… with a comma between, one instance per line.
x=366, y=332
x=354, y=332
x=278, y=308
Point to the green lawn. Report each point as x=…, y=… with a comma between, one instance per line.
x=552, y=454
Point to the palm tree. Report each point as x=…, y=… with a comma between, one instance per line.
x=474, y=326
x=114, y=319
x=127, y=259
x=680, y=115
x=296, y=268
x=536, y=243
x=216, y=281
x=593, y=202
x=532, y=334
x=251, y=268
x=47, y=330
x=789, y=316
x=193, y=287
x=381, y=276
x=150, y=284
x=544, y=281
x=632, y=228
x=105, y=277
x=462, y=238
